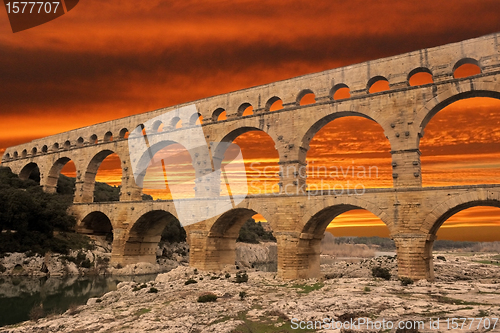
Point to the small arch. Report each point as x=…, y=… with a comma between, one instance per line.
x=93, y=139
x=176, y=123
x=24, y=153
x=45, y=149
x=67, y=144
x=245, y=109
x=466, y=67
x=219, y=114
x=55, y=147
x=196, y=119
x=108, y=137
x=34, y=150
x=80, y=142
x=274, y=103
x=377, y=84
x=7, y=156
x=157, y=126
x=16, y=154
x=340, y=91
x=306, y=97
x=124, y=133
x=420, y=76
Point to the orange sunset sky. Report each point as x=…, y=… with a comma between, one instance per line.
x=110, y=59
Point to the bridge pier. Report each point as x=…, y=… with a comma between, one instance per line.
x=414, y=253
x=298, y=255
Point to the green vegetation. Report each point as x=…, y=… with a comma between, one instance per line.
x=241, y=277
x=306, y=288
x=29, y=216
x=382, y=243
x=242, y=294
x=405, y=281
x=190, y=281
x=266, y=324
x=367, y=289
x=208, y=297
x=173, y=233
x=142, y=311
x=381, y=272
x=37, y=222
x=252, y=232
x=488, y=262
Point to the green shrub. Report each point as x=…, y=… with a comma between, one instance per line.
x=190, y=281
x=405, y=281
x=86, y=263
x=208, y=297
x=367, y=289
x=242, y=295
x=241, y=277
x=381, y=272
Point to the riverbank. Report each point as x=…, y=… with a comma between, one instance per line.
x=97, y=261
x=466, y=286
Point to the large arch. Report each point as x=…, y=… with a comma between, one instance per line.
x=219, y=248
x=51, y=180
x=443, y=212
x=459, y=140
x=27, y=170
x=143, y=238
x=442, y=100
x=341, y=166
x=89, y=178
x=312, y=229
x=265, y=168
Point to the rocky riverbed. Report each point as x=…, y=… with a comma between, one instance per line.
x=97, y=261
x=466, y=286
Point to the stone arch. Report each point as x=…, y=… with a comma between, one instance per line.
x=313, y=129
x=45, y=149
x=242, y=108
x=337, y=88
x=271, y=101
x=24, y=153
x=465, y=61
x=317, y=219
x=6, y=157
x=157, y=125
x=93, y=139
x=67, y=144
x=98, y=224
x=80, y=142
x=418, y=71
x=124, y=133
x=457, y=203
x=15, y=154
x=50, y=182
x=176, y=123
x=303, y=93
x=144, y=236
x=371, y=84
x=194, y=118
x=34, y=150
x=108, y=137
x=216, y=114
x=431, y=108
x=223, y=231
x=219, y=150
x=87, y=191
x=27, y=170
x=55, y=147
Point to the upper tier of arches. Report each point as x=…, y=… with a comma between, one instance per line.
x=253, y=105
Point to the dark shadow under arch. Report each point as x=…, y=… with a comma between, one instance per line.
x=98, y=224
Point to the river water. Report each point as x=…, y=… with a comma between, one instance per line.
x=19, y=294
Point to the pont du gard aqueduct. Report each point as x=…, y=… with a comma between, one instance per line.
x=412, y=213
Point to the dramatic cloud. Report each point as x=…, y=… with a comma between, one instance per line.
x=106, y=60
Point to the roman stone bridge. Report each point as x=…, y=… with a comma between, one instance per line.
x=412, y=213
